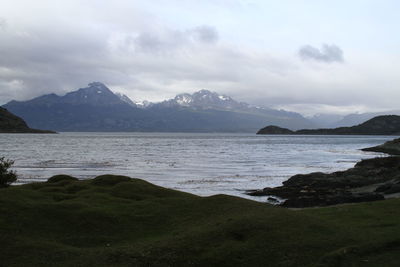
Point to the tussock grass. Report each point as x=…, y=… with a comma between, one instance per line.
x=118, y=221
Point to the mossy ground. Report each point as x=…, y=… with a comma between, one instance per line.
x=116, y=221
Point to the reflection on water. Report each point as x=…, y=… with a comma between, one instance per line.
x=203, y=164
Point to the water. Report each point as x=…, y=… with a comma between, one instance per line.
x=203, y=164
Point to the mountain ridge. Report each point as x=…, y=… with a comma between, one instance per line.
x=97, y=108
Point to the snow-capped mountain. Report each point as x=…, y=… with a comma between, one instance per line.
x=144, y=104
x=95, y=93
x=204, y=99
x=126, y=99
x=137, y=104
x=97, y=108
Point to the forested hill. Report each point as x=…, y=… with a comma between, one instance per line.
x=381, y=125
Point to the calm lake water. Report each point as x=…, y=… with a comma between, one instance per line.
x=203, y=164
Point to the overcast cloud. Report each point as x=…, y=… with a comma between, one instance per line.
x=327, y=53
x=3, y=24
x=150, y=50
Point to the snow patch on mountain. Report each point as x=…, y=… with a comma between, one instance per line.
x=184, y=99
x=126, y=99
x=143, y=104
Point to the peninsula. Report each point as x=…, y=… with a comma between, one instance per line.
x=380, y=125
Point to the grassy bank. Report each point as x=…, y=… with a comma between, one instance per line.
x=117, y=221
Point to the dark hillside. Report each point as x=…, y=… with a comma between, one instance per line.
x=9, y=123
x=381, y=125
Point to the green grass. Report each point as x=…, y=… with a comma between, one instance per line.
x=115, y=221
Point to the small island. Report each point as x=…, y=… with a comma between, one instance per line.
x=10, y=123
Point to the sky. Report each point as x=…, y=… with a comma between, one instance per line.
x=306, y=56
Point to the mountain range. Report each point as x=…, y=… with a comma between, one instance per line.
x=97, y=108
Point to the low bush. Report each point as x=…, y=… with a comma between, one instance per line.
x=7, y=176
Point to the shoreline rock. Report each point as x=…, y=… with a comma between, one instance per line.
x=389, y=147
x=369, y=180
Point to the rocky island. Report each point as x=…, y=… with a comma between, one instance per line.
x=380, y=125
x=10, y=123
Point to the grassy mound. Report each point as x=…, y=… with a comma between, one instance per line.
x=116, y=221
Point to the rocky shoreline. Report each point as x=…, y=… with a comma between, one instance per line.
x=390, y=147
x=369, y=180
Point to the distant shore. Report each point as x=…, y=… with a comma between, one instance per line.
x=380, y=125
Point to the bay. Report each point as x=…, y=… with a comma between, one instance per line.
x=200, y=163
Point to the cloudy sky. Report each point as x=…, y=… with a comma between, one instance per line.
x=310, y=56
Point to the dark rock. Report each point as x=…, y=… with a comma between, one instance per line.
x=390, y=147
x=389, y=188
x=272, y=200
x=256, y=193
x=394, y=189
x=302, y=202
x=365, y=197
x=383, y=188
x=322, y=189
x=326, y=200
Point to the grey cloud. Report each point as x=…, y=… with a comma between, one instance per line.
x=327, y=53
x=43, y=60
x=167, y=40
x=40, y=62
x=153, y=42
x=147, y=42
x=3, y=24
x=205, y=34
x=162, y=62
